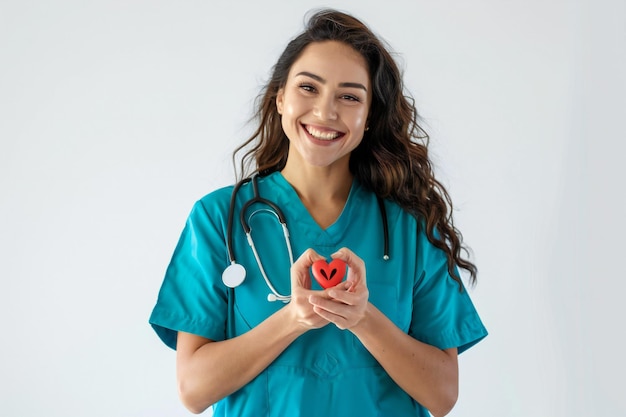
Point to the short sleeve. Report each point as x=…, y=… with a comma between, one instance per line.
x=443, y=314
x=192, y=297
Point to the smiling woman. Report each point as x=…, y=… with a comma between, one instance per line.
x=324, y=107
x=337, y=145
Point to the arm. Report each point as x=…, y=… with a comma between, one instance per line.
x=428, y=374
x=208, y=371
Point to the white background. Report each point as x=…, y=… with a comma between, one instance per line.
x=116, y=116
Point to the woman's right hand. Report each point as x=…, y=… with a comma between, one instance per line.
x=300, y=307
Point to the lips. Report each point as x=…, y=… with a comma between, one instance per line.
x=322, y=134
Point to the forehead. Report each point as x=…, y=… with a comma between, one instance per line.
x=332, y=60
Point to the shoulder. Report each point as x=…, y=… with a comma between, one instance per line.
x=217, y=195
x=211, y=210
x=215, y=200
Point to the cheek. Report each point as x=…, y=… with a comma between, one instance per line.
x=288, y=109
x=289, y=115
x=360, y=119
x=293, y=108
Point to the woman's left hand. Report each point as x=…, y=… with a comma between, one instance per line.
x=348, y=300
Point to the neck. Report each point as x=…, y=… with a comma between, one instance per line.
x=323, y=190
x=319, y=184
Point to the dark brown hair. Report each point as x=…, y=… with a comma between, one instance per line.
x=392, y=159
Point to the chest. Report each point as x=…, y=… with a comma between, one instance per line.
x=390, y=282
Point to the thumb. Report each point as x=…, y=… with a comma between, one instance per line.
x=300, y=269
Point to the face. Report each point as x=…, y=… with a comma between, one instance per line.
x=325, y=103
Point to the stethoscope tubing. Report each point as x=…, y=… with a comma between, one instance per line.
x=231, y=216
x=275, y=293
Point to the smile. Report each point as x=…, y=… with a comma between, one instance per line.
x=322, y=135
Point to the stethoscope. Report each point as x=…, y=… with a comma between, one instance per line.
x=235, y=274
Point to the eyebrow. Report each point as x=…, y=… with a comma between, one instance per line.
x=323, y=81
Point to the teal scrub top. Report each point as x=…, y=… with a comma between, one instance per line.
x=325, y=372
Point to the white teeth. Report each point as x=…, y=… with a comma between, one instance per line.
x=322, y=135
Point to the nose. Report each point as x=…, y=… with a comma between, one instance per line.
x=325, y=108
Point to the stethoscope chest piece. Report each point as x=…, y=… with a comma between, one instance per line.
x=233, y=275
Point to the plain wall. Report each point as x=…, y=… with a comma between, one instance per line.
x=115, y=116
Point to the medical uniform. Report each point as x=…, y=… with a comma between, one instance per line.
x=325, y=372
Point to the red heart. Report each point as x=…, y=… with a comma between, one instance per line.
x=329, y=275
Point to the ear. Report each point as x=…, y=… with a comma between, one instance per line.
x=280, y=99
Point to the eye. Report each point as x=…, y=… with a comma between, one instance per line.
x=350, y=97
x=307, y=87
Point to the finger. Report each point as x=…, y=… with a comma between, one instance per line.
x=300, y=269
x=339, y=321
x=345, y=296
x=347, y=285
x=356, y=266
x=330, y=306
x=332, y=311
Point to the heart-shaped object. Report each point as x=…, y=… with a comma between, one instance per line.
x=329, y=274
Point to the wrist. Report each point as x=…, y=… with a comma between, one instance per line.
x=290, y=321
x=365, y=325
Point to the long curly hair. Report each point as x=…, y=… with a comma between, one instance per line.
x=391, y=160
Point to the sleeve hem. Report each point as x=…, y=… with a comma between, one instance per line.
x=462, y=339
x=167, y=327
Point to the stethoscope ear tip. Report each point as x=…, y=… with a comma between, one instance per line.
x=273, y=297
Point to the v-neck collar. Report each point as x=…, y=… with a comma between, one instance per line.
x=293, y=207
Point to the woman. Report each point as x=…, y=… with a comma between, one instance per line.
x=336, y=136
